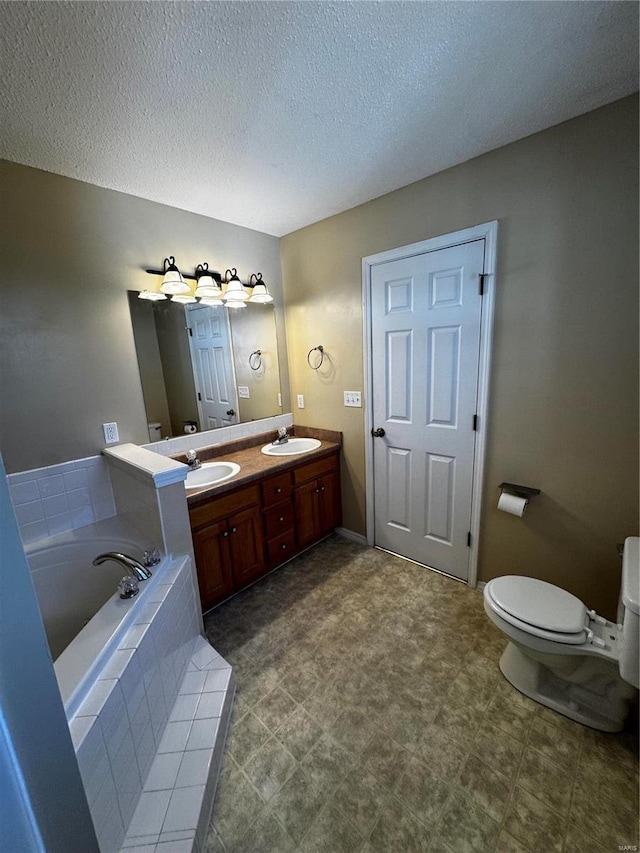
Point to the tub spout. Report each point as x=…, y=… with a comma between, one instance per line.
x=136, y=569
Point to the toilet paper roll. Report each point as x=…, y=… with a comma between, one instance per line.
x=189, y=428
x=513, y=504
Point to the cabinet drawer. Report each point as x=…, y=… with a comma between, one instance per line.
x=315, y=469
x=221, y=507
x=281, y=548
x=278, y=519
x=276, y=489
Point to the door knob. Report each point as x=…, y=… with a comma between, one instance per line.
x=231, y=412
x=377, y=433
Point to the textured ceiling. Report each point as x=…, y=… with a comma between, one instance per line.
x=274, y=115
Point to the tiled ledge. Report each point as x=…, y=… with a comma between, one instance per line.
x=174, y=809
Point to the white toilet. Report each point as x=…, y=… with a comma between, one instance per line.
x=565, y=656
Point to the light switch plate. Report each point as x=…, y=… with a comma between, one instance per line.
x=353, y=398
x=301, y=401
x=243, y=392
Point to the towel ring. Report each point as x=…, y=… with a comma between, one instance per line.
x=320, y=349
x=255, y=360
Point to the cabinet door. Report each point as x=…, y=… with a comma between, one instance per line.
x=212, y=560
x=306, y=509
x=329, y=503
x=246, y=547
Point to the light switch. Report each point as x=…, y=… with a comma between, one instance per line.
x=353, y=398
x=243, y=392
x=301, y=401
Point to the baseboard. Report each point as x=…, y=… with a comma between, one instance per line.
x=349, y=534
x=480, y=585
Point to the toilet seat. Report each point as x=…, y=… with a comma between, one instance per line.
x=539, y=608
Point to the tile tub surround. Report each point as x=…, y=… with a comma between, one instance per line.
x=120, y=724
x=53, y=500
x=371, y=715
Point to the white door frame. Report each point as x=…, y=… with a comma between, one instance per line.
x=489, y=232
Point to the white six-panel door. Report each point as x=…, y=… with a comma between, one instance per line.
x=212, y=358
x=426, y=313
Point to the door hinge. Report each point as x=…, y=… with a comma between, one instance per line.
x=199, y=396
x=469, y=539
x=475, y=423
x=190, y=330
x=482, y=277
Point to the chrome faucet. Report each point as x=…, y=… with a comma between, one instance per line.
x=282, y=438
x=132, y=566
x=193, y=461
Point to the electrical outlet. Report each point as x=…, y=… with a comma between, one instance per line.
x=110, y=433
x=353, y=398
x=301, y=401
x=243, y=392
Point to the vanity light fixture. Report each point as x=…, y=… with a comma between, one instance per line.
x=260, y=292
x=151, y=295
x=173, y=282
x=207, y=285
x=235, y=292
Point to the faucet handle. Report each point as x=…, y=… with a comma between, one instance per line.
x=191, y=455
x=128, y=587
x=282, y=431
x=151, y=558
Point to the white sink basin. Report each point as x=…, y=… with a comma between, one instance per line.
x=210, y=474
x=291, y=447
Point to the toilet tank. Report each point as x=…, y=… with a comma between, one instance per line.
x=629, y=611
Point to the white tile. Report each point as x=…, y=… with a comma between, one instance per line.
x=203, y=656
x=193, y=682
x=55, y=505
x=150, y=813
x=29, y=512
x=210, y=705
x=145, y=848
x=194, y=769
x=78, y=498
x=164, y=771
x=133, y=638
x=96, y=698
x=176, y=845
x=23, y=477
x=22, y=493
x=34, y=531
x=116, y=664
x=184, y=809
x=175, y=737
x=203, y=734
x=79, y=728
x=53, y=485
x=81, y=517
x=159, y=593
x=217, y=679
x=184, y=708
x=75, y=479
x=90, y=462
x=59, y=523
x=147, y=611
x=104, y=509
x=140, y=840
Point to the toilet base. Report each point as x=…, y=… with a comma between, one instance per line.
x=583, y=689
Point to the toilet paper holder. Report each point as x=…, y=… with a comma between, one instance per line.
x=521, y=491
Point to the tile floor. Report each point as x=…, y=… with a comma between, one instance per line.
x=370, y=715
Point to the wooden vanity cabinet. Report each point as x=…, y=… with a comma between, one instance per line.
x=228, y=544
x=317, y=501
x=243, y=534
x=278, y=518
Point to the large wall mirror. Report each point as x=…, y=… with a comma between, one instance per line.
x=203, y=367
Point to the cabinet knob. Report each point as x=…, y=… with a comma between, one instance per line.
x=278, y=490
x=234, y=529
x=226, y=533
x=283, y=547
x=281, y=518
x=322, y=488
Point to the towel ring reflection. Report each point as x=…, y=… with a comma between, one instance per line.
x=317, y=366
x=255, y=360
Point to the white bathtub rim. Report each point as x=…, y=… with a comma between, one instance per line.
x=79, y=665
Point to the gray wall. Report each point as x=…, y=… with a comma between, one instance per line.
x=564, y=383
x=68, y=254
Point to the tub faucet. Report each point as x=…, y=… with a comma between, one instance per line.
x=132, y=566
x=192, y=460
x=282, y=438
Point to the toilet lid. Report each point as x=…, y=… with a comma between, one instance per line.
x=539, y=603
